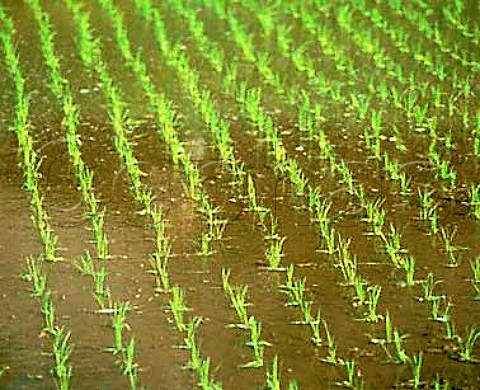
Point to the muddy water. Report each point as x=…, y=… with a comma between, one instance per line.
x=162, y=364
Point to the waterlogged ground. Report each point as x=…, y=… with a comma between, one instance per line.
x=337, y=68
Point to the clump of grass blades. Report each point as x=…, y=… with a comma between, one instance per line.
x=61, y=346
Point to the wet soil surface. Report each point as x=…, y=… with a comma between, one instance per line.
x=25, y=351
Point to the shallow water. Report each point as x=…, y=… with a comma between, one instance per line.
x=24, y=350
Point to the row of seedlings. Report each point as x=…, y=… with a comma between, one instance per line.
x=431, y=31
x=225, y=150
x=119, y=310
x=237, y=296
x=454, y=13
x=391, y=167
x=35, y=274
x=223, y=144
x=450, y=250
x=309, y=319
x=461, y=87
x=159, y=259
x=408, y=102
x=94, y=267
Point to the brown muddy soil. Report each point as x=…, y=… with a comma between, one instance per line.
x=25, y=351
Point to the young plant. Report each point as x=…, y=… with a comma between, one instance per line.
x=409, y=267
x=450, y=248
x=130, y=366
x=273, y=376
x=256, y=343
x=62, y=349
x=474, y=195
x=159, y=268
x=86, y=265
x=315, y=328
x=353, y=380
x=297, y=292
x=178, y=308
x=440, y=308
x=475, y=279
x=331, y=357
x=347, y=264
x=48, y=313
x=466, y=346
x=427, y=286
x=274, y=254
x=393, y=247
x=237, y=295
x=373, y=293
x=119, y=323
x=34, y=275
x=400, y=352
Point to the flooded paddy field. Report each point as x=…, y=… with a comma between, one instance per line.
x=239, y=194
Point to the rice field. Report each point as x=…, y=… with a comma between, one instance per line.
x=239, y=194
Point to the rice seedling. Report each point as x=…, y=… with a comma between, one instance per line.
x=159, y=268
x=388, y=332
x=474, y=196
x=375, y=216
x=256, y=343
x=401, y=356
x=428, y=285
x=433, y=219
x=450, y=248
x=86, y=265
x=440, y=308
x=393, y=247
x=119, y=324
x=315, y=324
x=451, y=331
x=360, y=286
x=201, y=366
x=475, y=280
x=273, y=376
x=237, y=296
x=131, y=368
x=408, y=263
x=331, y=357
x=373, y=293
x=440, y=384
x=102, y=293
x=190, y=343
x=354, y=380
x=417, y=366
x=61, y=352
x=60, y=337
x=274, y=254
x=178, y=308
x=465, y=346
x=34, y=275
x=296, y=292
x=49, y=314
x=347, y=264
